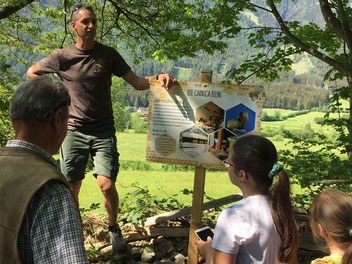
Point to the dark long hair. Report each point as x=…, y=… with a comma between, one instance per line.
x=332, y=209
x=256, y=155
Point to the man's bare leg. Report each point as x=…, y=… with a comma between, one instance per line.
x=111, y=198
x=111, y=203
x=75, y=187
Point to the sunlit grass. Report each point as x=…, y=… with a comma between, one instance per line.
x=300, y=122
x=160, y=184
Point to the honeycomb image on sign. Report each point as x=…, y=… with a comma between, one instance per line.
x=220, y=143
x=193, y=141
x=165, y=145
x=210, y=117
x=240, y=119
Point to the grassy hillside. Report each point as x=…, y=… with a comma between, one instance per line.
x=298, y=122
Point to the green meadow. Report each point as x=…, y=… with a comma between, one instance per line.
x=163, y=184
x=297, y=122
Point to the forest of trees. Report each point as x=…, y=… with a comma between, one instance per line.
x=291, y=91
x=278, y=95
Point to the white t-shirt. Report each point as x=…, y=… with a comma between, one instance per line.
x=247, y=229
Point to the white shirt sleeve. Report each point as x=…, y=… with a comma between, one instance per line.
x=233, y=229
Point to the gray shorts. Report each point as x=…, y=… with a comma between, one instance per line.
x=75, y=151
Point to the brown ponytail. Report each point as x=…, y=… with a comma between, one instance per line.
x=282, y=212
x=347, y=257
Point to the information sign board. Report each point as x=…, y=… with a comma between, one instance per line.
x=196, y=123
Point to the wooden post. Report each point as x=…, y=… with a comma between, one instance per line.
x=206, y=76
x=197, y=202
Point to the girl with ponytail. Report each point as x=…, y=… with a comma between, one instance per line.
x=331, y=221
x=260, y=228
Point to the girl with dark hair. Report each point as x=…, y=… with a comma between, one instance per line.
x=260, y=228
x=331, y=221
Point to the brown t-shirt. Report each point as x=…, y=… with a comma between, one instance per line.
x=87, y=75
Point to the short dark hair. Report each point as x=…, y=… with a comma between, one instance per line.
x=38, y=98
x=78, y=7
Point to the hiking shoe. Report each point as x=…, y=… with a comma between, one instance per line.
x=119, y=244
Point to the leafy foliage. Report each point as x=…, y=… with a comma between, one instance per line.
x=6, y=131
x=120, y=108
x=139, y=204
x=339, y=123
x=139, y=124
x=311, y=160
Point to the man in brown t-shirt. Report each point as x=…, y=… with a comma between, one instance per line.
x=86, y=68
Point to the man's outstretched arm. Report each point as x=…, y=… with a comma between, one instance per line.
x=140, y=83
x=34, y=71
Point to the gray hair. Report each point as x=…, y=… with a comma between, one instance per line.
x=78, y=7
x=37, y=99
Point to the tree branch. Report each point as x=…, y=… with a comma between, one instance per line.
x=107, y=31
x=102, y=22
x=13, y=8
x=344, y=24
x=260, y=7
x=330, y=19
x=297, y=42
x=65, y=24
x=267, y=64
x=134, y=21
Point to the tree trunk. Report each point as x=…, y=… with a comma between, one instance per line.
x=349, y=121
